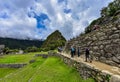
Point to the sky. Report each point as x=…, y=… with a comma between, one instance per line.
x=36, y=19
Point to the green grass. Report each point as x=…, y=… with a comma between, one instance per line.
x=42, y=70
x=21, y=58
x=6, y=71
x=24, y=74
x=54, y=70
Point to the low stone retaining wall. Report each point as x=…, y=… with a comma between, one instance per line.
x=42, y=55
x=87, y=71
x=12, y=65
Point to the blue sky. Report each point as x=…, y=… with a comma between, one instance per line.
x=36, y=19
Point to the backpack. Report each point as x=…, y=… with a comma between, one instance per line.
x=73, y=49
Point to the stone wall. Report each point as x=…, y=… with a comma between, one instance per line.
x=1, y=49
x=2, y=46
x=104, y=43
x=42, y=55
x=87, y=71
x=12, y=65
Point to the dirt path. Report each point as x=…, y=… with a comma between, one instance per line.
x=99, y=65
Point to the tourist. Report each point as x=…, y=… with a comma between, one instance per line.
x=59, y=49
x=78, y=51
x=96, y=27
x=72, y=51
x=87, y=55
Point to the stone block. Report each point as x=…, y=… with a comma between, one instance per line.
x=115, y=78
x=102, y=59
x=116, y=60
x=32, y=61
x=114, y=36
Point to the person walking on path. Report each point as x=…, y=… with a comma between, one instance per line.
x=72, y=51
x=87, y=55
x=78, y=51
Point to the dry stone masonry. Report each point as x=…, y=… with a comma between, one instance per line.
x=1, y=49
x=87, y=71
x=104, y=43
x=12, y=65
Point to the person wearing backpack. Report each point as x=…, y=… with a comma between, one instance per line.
x=87, y=53
x=72, y=51
x=78, y=51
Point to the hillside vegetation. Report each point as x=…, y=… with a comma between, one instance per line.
x=53, y=41
x=109, y=14
x=20, y=44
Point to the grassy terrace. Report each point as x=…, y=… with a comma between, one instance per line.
x=42, y=70
x=21, y=58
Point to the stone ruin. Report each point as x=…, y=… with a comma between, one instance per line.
x=1, y=48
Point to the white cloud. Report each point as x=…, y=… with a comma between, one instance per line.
x=18, y=28
x=19, y=25
x=72, y=24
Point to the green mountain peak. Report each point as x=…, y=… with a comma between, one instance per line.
x=54, y=40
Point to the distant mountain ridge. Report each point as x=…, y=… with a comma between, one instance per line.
x=19, y=43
